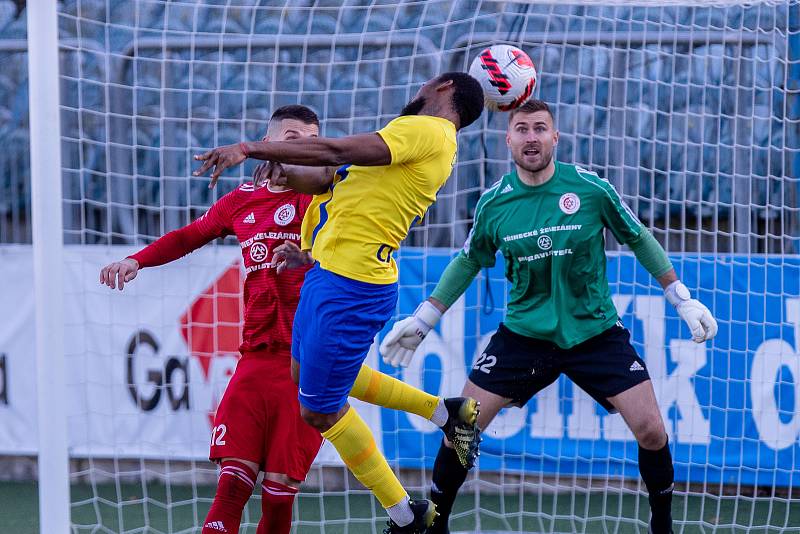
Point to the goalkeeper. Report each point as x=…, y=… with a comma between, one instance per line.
x=548, y=220
x=384, y=183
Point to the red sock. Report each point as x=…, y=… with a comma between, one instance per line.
x=236, y=482
x=276, y=508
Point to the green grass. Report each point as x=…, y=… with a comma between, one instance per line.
x=153, y=508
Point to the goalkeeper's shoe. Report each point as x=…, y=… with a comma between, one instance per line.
x=424, y=515
x=461, y=428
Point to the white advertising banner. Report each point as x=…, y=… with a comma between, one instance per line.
x=146, y=366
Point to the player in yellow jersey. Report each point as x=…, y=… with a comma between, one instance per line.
x=371, y=189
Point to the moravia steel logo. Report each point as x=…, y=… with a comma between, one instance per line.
x=497, y=77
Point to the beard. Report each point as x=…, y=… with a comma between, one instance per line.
x=546, y=158
x=413, y=107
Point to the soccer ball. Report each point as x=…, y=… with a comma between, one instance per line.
x=507, y=76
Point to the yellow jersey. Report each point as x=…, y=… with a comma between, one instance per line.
x=355, y=227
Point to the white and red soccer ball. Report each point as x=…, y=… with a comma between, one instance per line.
x=507, y=76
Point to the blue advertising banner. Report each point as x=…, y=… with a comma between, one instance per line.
x=731, y=406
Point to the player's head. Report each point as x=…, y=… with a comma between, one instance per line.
x=292, y=122
x=532, y=135
x=452, y=94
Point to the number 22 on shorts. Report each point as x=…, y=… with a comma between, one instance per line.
x=485, y=363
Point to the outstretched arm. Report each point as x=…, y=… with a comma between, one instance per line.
x=165, y=249
x=693, y=312
x=361, y=149
x=170, y=246
x=628, y=230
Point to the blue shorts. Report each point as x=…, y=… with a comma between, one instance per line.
x=336, y=322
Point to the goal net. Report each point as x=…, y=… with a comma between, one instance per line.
x=690, y=109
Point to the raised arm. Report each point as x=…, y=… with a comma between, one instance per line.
x=361, y=149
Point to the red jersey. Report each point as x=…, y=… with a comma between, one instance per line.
x=261, y=220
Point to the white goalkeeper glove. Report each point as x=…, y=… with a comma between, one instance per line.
x=693, y=312
x=405, y=336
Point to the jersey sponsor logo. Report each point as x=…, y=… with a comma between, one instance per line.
x=544, y=242
x=300, y=390
x=258, y=252
x=543, y=230
x=259, y=267
x=507, y=189
x=250, y=219
x=285, y=214
x=543, y=255
x=636, y=366
x=569, y=203
x=269, y=235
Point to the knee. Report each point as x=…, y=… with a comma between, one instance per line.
x=321, y=421
x=285, y=480
x=652, y=436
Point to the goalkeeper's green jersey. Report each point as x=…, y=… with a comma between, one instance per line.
x=551, y=237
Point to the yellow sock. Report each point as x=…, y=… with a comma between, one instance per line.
x=375, y=387
x=355, y=444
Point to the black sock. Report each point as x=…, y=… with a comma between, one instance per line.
x=659, y=477
x=448, y=476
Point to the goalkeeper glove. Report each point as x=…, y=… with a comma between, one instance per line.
x=693, y=312
x=405, y=336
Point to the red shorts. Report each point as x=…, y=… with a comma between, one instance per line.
x=258, y=419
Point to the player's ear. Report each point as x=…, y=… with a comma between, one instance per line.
x=555, y=138
x=508, y=140
x=444, y=85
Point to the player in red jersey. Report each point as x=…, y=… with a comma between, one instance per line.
x=257, y=426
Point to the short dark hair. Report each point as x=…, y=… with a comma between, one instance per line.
x=531, y=106
x=303, y=114
x=467, y=98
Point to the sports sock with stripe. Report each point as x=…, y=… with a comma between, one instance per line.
x=375, y=387
x=276, y=508
x=353, y=440
x=236, y=482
